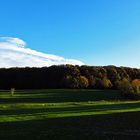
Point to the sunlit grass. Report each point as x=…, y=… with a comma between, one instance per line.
x=22, y=109
x=67, y=114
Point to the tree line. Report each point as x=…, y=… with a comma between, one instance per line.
x=66, y=76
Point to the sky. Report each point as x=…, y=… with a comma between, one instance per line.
x=47, y=32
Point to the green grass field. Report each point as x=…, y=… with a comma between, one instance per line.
x=68, y=115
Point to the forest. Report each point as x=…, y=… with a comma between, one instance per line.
x=66, y=76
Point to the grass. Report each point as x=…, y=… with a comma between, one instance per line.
x=68, y=114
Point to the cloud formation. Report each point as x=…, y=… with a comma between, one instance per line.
x=14, y=53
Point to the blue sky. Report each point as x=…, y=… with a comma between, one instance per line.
x=96, y=32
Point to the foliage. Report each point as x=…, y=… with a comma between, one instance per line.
x=66, y=76
x=125, y=87
x=70, y=82
x=83, y=82
x=130, y=89
x=91, y=81
x=106, y=83
x=136, y=87
x=12, y=91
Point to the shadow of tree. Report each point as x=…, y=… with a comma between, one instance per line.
x=62, y=96
x=110, y=126
x=75, y=109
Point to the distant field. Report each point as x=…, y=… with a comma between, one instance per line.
x=68, y=114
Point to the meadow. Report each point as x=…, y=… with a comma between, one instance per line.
x=60, y=114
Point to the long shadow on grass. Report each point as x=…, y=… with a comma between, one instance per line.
x=63, y=96
x=101, y=127
x=75, y=109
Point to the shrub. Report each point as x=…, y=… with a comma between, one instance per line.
x=12, y=91
x=130, y=89
x=136, y=87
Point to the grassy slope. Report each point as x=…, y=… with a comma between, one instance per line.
x=68, y=114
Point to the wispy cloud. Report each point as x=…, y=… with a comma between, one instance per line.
x=14, y=53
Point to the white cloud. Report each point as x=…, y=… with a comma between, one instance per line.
x=13, y=53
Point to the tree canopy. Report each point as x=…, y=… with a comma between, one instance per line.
x=66, y=76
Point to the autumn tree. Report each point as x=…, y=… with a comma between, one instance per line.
x=83, y=82
x=136, y=87
x=106, y=83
